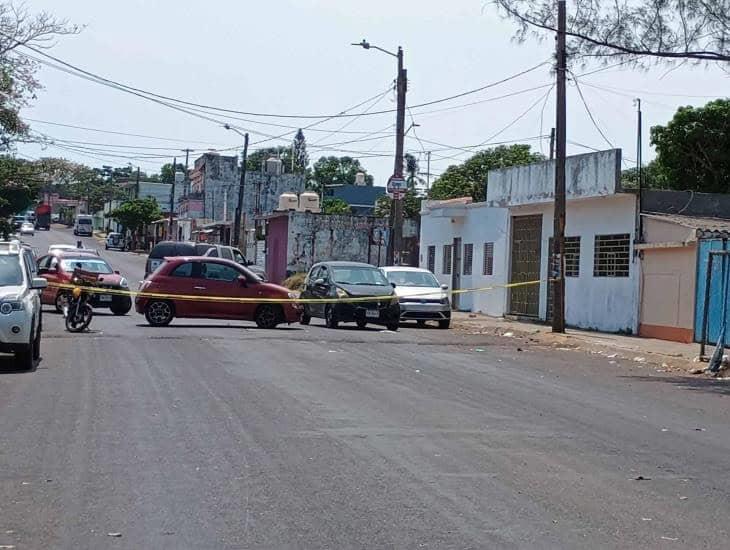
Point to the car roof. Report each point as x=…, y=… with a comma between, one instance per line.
x=405, y=268
x=343, y=264
x=65, y=254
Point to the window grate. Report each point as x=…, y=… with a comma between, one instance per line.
x=431, y=259
x=488, y=267
x=571, y=252
x=446, y=267
x=468, y=258
x=611, y=255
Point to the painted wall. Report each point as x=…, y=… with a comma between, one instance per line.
x=476, y=224
x=277, y=234
x=589, y=175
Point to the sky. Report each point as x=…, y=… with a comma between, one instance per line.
x=294, y=57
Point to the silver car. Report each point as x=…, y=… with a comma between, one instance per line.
x=420, y=295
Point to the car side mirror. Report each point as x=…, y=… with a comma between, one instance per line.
x=38, y=283
x=320, y=282
x=444, y=287
x=392, y=284
x=116, y=272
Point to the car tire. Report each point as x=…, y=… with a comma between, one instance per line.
x=361, y=324
x=121, y=307
x=60, y=301
x=159, y=313
x=24, y=356
x=37, y=343
x=267, y=316
x=306, y=317
x=330, y=317
x=421, y=323
x=392, y=327
x=444, y=324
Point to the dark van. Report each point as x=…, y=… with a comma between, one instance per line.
x=169, y=249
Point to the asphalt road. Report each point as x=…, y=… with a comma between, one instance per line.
x=220, y=435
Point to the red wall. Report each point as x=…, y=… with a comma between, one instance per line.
x=277, y=235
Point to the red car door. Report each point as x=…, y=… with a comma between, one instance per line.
x=181, y=280
x=219, y=279
x=48, y=268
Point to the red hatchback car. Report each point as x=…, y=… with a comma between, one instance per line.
x=206, y=277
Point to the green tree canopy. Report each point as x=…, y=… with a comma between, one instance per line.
x=470, y=178
x=335, y=206
x=167, y=174
x=20, y=182
x=299, y=150
x=137, y=213
x=337, y=171
x=652, y=176
x=692, y=149
x=411, y=205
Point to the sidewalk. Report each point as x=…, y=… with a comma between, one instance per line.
x=668, y=356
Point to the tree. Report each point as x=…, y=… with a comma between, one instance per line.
x=685, y=30
x=411, y=205
x=19, y=186
x=167, y=175
x=470, y=178
x=652, y=175
x=329, y=171
x=692, y=149
x=413, y=179
x=335, y=206
x=137, y=213
x=299, y=150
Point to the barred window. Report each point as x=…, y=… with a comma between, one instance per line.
x=488, y=267
x=571, y=252
x=446, y=267
x=611, y=255
x=431, y=259
x=468, y=258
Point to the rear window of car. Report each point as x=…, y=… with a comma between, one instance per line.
x=173, y=249
x=84, y=222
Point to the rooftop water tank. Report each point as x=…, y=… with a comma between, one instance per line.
x=288, y=201
x=273, y=167
x=360, y=178
x=309, y=202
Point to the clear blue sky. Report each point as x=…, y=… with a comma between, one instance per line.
x=294, y=57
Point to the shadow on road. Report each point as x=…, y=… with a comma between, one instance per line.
x=709, y=385
x=218, y=327
x=8, y=365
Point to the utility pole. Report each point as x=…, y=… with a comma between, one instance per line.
x=172, y=197
x=186, y=184
x=559, y=222
x=428, y=170
x=239, y=207
x=640, y=171
x=552, y=143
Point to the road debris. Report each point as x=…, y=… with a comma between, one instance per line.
x=683, y=498
x=613, y=355
x=642, y=478
x=115, y=535
x=508, y=334
x=698, y=371
x=669, y=538
x=639, y=359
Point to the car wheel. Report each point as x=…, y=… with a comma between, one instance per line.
x=306, y=317
x=121, y=305
x=421, y=323
x=446, y=323
x=37, y=344
x=330, y=317
x=24, y=354
x=392, y=326
x=159, y=313
x=361, y=324
x=61, y=301
x=267, y=316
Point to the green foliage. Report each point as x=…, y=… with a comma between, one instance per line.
x=651, y=174
x=299, y=150
x=137, y=213
x=336, y=171
x=411, y=205
x=470, y=178
x=335, y=206
x=167, y=174
x=294, y=282
x=19, y=184
x=692, y=149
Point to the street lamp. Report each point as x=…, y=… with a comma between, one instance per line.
x=395, y=244
x=239, y=206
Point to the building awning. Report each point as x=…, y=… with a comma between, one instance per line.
x=706, y=228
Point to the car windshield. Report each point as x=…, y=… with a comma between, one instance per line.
x=87, y=264
x=413, y=278
x=84, y=222
x=356, y=275
x=10, y=271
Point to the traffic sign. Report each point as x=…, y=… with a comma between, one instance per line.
x=396, y=186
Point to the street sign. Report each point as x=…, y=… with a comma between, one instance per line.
x=396, y=186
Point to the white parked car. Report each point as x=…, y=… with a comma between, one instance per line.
x=27, y=228
x=420, y=295
x=20, y=305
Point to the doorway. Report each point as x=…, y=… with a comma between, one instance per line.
x=525, y=265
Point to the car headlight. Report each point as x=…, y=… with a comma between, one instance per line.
x=342, y=293
x=445, y=301
x=123, y=283
x=8, y=307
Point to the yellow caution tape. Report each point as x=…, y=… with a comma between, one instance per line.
x=230, y=299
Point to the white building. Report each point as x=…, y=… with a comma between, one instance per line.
x=507, y=240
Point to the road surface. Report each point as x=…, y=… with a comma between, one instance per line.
x=220, y=435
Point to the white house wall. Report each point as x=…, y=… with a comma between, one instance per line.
x=480, y=225
x=608, y=304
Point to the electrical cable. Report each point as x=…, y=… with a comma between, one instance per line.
x=590, y=114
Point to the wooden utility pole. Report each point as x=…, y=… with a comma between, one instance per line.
x=640, y=172
x=172, y=199
x=552, y=143
x=558, y=271
x=400, y=123
x=428, y=170
x=239, y=207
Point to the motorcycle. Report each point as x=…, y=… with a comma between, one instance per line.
x=78, y=311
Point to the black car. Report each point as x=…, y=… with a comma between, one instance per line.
x=355, y=280
x=170, y=249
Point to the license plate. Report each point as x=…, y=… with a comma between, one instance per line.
x=105, y=298
x=372, y=313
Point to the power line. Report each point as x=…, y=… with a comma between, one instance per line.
x=590, y=114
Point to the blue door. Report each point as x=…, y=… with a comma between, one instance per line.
x=716, y=290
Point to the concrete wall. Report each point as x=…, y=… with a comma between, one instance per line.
x=589, y=175
x=476, y=224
